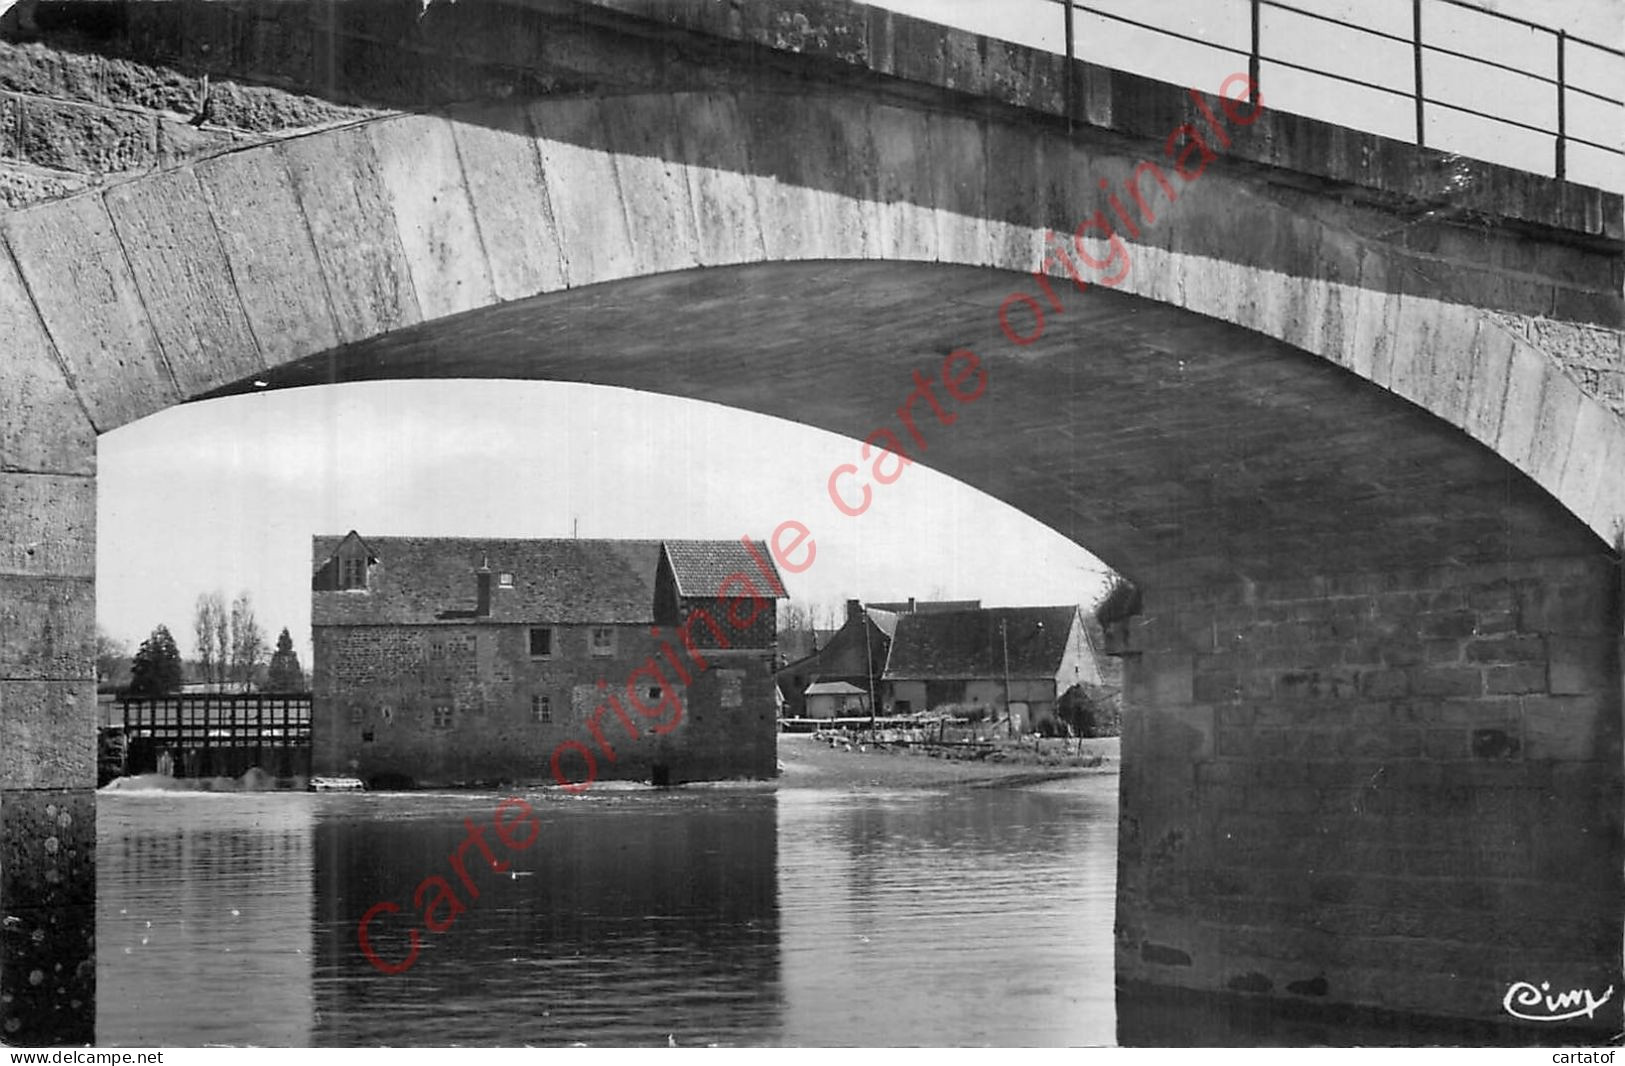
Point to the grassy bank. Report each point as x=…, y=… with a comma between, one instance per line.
x=813, y=762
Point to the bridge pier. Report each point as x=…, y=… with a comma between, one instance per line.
x=48, y=902
x=47, y=690
x=1394, y=791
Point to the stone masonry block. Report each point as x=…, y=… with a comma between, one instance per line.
x=1554, y=433
x=1566, y=607
x=1569, y=729
x=48, y=849
x=594, y=237
x=336, y=178
x=48, y=977
x=510, y=200
x=1185, y=732
x=1492, y=361
x=47, y=628
x=185, y=284
x=37, y=68
x=1167, y=679
x=74, y=265
x=274, y=264
x=48, y=525
x=902, y=147
x=653, y=181
x=47, y=895
x=22, y=185
x=47, y=734
x=181, y=142
x=79, y=137
x=1521, y=415
x=1582, y=666
x=1522, y=679
x=1506, y=650
x=1593, y=426
x=721, y=185
x=1384, y=684
x=819, y=170
x=422, y=179
x=1446, y=681
x=42, y=425
x=160, y=88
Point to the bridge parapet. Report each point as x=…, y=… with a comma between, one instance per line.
x=280, y=60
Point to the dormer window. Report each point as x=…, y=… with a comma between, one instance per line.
x=347, y=568
x=353, y=572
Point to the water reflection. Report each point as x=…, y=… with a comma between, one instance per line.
x=203, y=920
x=725, y=915
x=980, y=916
x=634, y=918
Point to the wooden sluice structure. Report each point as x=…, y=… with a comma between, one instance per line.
x=217, y=734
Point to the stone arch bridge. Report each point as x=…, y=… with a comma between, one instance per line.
x=1372, y=752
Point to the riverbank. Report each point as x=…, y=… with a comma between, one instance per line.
x=805, y=761
x=809, y=762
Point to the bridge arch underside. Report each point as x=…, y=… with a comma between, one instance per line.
x=1371, y=754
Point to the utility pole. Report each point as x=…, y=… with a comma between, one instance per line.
x=869, y=658
x=1009, y=714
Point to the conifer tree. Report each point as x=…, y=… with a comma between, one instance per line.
x=286, y=675
x=156, y=670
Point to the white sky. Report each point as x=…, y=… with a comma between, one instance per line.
x=1310, y=42
x=226, y=495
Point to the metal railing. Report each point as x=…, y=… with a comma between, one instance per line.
x=1561, y=86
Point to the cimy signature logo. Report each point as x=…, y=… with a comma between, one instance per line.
x=1524, y=1000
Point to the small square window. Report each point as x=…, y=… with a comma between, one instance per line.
x=366, y=736
x=505, y=580
x=541, y=642
x=437, y=649
x=357, y=714
x=654, y=693
x=541, y=709
x=603, y=640
x=442, y=717
x=353, y=573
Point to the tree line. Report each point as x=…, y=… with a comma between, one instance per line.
x=231, y=652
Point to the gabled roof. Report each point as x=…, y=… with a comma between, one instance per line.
x=957, y=645
x=701, y=566
x=885, y=621
x=834, y=688
x=423, y=580
x=926, y=606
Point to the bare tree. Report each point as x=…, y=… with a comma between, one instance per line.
x=247, y=641
x=793, y=617
x=209, y=633
x=112, y=659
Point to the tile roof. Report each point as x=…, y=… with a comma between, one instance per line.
x=885, y=621
x=834, y=688
x=926, y=606
x=955, y=645
x=424, y=580
x=701, y=566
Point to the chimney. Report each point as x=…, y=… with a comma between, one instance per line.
x=482, y=602
x=911, y=605
x=854, y=610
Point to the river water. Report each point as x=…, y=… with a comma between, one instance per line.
x=704, y=915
